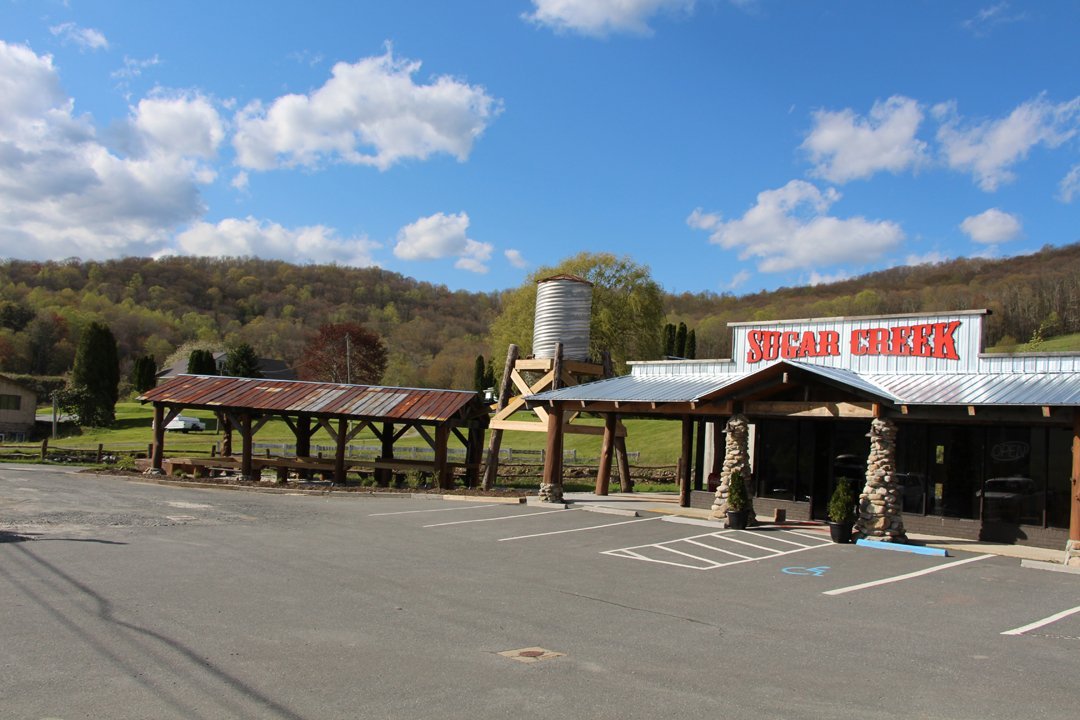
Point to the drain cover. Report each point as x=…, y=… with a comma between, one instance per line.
x=531, y=655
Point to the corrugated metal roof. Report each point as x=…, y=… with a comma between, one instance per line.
x=634, y=388
x=290, y=397
x=1052, y=389
x=846, y=377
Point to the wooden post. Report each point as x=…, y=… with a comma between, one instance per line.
x=474, y=453
x=684, y=461
x=158, y=452
x=491, y=470
x=1074, y=520
x=246, y=466
x=226, y=438
x=626, y=485
x=603, y=473
x=553, y=455
x=442, y=470
x=699, y=456
x=383, y=476
x=719, y=448
x=44, y=448
x=339, y=451
x=100, y=449
x=303, y=435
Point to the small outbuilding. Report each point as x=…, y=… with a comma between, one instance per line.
x=18, y=409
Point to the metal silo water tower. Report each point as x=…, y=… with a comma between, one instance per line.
x=563, y=314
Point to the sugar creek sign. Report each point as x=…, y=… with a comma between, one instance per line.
x=928, y=340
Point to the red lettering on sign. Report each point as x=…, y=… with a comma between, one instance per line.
x=944, y=341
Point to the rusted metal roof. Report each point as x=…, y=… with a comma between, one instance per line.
x=292, y=397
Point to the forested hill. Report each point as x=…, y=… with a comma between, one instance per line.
x=1026, y=294
x=166, y=307
x=157, y=306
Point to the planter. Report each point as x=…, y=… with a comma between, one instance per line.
x=840, y=532
x=736, y=519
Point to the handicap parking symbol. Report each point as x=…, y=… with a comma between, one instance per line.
x=815, y=571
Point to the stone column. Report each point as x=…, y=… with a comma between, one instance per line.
x=736, y=458
x=880, y=509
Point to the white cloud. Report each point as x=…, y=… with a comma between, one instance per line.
x=63, y=192
x=1069, y=188
x=85, y=38
x=739, y=279
x=989, y=149
x=817, y=278
x=250, y=237
x=441, y=236
x=133, y=67
x=788, y=228
x=371, y=112
x=240, y=181
x=844, y=146
x=516, y=258
x=182, y=124
x=603, y=17
x=992, y=227
x=987, y=18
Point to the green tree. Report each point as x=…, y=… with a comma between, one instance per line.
x=669, y=340
x=96, y=376
x=144, y=373
x=680, y=341
x=241, y=361
x=489, y=375
x=478, y=374
x=201, y=362
x=691, y=345
x=627, y=307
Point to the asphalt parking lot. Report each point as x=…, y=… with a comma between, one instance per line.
x=129, y=600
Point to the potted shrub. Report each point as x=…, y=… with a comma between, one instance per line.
x=842, y=511
x=737, y=501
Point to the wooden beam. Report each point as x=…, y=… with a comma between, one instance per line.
x=971, y=410
x=246, y=467
x=339, y=451
x=422, y=432
x=810, y=409
x=699, y=456
x=442, y=468
x=386, y=452
x=1074, y=519
x=159, y=437
x=1046, y=411
x=554, y=447
x=685, y=457
x=607, y=450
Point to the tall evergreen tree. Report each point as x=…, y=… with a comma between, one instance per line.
x=144, y=373
x=96, y=375
x=489, y=375
x=669, y=340
x=478, y=374
x=201, y=362
x=691, y=345
x=680, y=341
x=242, y=361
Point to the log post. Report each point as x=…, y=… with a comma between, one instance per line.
x=551, y=489
x=339, y=451
x=603, y=473
x=383, y=476
x=246, y=466
x=685, y=458
x=159, y=438
x=442, y=469
x=699, y=455
x=226, y=437
x=1074, y=519
x=491, y=470
x=474, y=453
x=303, y=442
x=626, y=485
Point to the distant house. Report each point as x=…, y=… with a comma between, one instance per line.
x=270, y=368
x=18, y=408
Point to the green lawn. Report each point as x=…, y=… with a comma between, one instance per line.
x=1061, y=343
x=656, y=441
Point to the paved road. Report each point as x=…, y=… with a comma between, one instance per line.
x=121, y=599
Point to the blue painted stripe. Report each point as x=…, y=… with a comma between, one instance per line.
x=917, y=549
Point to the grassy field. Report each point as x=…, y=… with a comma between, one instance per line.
x=655, y=441
x=1061, y=343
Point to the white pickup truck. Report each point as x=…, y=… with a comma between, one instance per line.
x=184, y=424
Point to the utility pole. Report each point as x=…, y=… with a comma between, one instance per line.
x=348, y=361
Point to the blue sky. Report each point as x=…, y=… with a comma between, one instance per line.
x=732, y=146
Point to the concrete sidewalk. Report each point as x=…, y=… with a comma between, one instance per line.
x=668, y=504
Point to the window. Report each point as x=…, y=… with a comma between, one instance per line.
x=10, y=402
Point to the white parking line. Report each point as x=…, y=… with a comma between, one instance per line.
x=590, y=527
x=1040, y=623
x=906, y=576
x=412, y=512
x=636, y=552
x=501, y=517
